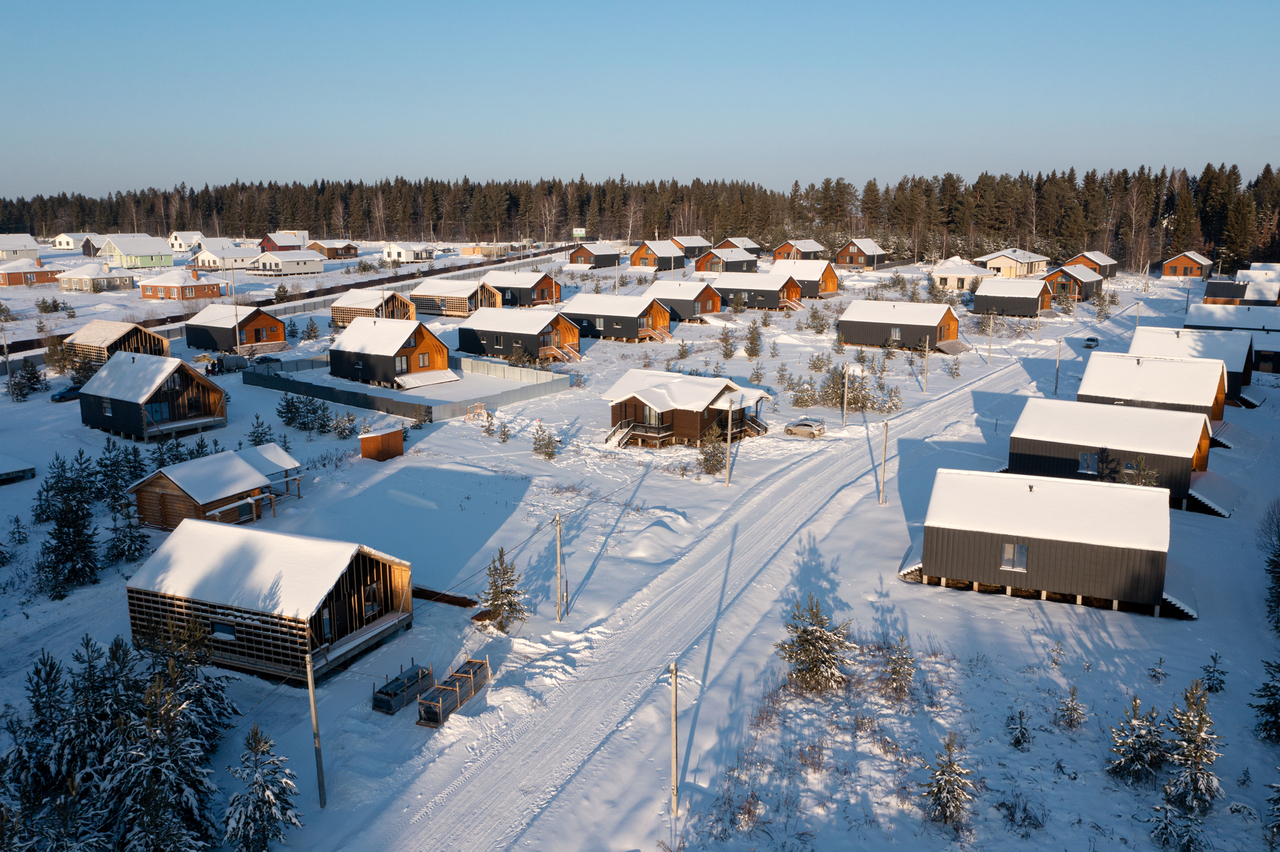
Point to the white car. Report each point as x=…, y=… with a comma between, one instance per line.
x=811, y=426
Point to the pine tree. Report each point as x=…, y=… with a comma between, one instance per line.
x=1268, y=707
x=504, y=433
x=727, y=343
x=128, y=543
x=900, y=669
x=259, y=432
x=1193, y=786
x=69, y=556
x=1020, y=736
x=1272, y=825
x=17, y=387
x=312, y=331
x=755, y=344
x=487, y=428
x=52, y=491
x=259, y=815
x=287, y=410
x=1215, y=677
x=948, y=790
x=1071, y=713
x=33, y=376
x=544, y=444
x=757, y=373
x=282, y=294
x=291, y=330
x=344, y=426
x=817, y=649
x=503, y=596
x=1138, y=745
x=711, y=451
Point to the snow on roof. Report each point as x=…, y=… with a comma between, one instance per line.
x=1193, y=255
x=801, y=270
x=607, y=304
x=957, y=266
x=93, y=270
x=510, y=320
x=907, y=313
x=281, y=238
x=599, y=248
x=253, y=569
x=131, y=377
x=768, y=281
x=1012, y=288
x=186, y=236
x=1097, y=257
x=805, y=245
x=409, y=246
x=692, y=241
x=100, y=332
x=731, y=255
x=1083, y=274
x=132, y=246
x=665, y=391
x=743, y=242
x=665, y=289
x=1152, y=378
x=664, y=248
x=370, y=298
x=1108, y=514
x=867, y=246
x=512, y=280
x=1115, y=427
x=10, y=242
x=23, y=264
x=294, y=256
x=215, y=243
x=1234, y=316
x=1020, y=255
x=222, y=316
x=270, y=459
x=445, y=287
x=1229, y=347
x=181, y=276
x=1262, y=291
x=9, y=466
x=331, y=243
x=1264, y=267
x=1264, y=341
x=232, y=252
x=101, y=239
x=76, y=236
x=373, y=336
x=214, y=477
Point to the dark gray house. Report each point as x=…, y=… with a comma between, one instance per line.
x=1012, y=297
x=595, y=255
x=1233, y=348
x=151, y=396
x=1103, y=443
x=215, y=328
x=393, y=353
x=619, y=317
x=761, y=291
x=686, y=300
x=1060, y=537
x=692, y=246
x=501, y=333
x=903, y=325
x=1152, y=381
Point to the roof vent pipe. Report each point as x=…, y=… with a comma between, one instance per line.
x=1031, y=488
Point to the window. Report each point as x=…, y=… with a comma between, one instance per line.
x=224, y=631
x=188, y=291
x=497, y=341
x=106, y=408
x=424, y=360
x=147, y=290
x=402, y=364
x=242, y=338
x=1088, y=463
x=895, y=333
x=370, y=600
x=245, y=511
x=326, y=625
x=1014, y=558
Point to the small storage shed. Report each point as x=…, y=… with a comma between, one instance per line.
x=686, y=300
x=184, y=284
x=379, y=304
x=1012, y=297
x=1189, y=264
x=27, y=272
x=1102, y=443
x=439, y=297
x=268, y=599
x=1100, y=540
x=632, y=318
x=860, y=253
x=726, y=260
x=595, y=255
x=334, y=249
x=280, y=263
x=799, y=250
x=762, y=291
x=383, y=444
x=692, y=246
x=387, y=352
x=500, y=333
x=817, y=278
x=95, y=278
x=652, y=408
x=523, y=289
x=1014, y=263
x=1076, y=282
x=658, y=254
x=15, y=470
x=222, y=328
x=1233, y=348
x=954, y=273
x=1150, y=381
x=98, y=340
x=906, y=325
x=745, y=243
x=149, y=396
x=1097, y=261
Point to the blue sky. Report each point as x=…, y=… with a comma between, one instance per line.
x=151, y=94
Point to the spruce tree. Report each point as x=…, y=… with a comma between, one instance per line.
x=281, y=294
x=291, y=330
x=711, y=453
x=259, y=432
x=1267, y=540
x=344, y=426
x=727, y=343
x=69, y=556
x=487, y=428
x=818, y=648
x=1020, y=736
x=1071, y=713
x=544, y=444
x=1138, y=745
x=1272, y=824
x=504, y=433
x=82, y=370
x=33, y=376
x=900, y=669
x=312, y=331
x=287, y=410
x=17, y=387
x=52, y=491
x=127, y=543
x=259, y=815
x=502, y=595
x=1215, y=677
x=1193, y=786
x=948, y=791
x=1268, y=707
x=754, y=347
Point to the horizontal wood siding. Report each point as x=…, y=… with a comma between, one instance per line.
x=857, y=333
x=1008, y=306
x=1046, y=458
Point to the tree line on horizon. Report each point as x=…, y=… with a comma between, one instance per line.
x=1137, y=217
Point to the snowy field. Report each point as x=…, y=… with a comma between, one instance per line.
x=569, y=747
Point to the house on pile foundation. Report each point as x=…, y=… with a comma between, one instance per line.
x=745, y=243
x=726, y=260
x=1013, y=263
x=223, y=328
x=438, y=297
x=686, y=300
x=860, y=253
x=1152, y=381
x=651, y=408
x=378, y=304
x=1012, y=297
x=98, y=340
x=659, y=255
x=817, y=278
x=759, y=291
x=502, y=333
x=392, y=353
x=595, y=255
x=632, y=318
x=902, y=325
x=799, y=250
x=524, y=289
x=1096, y=261
x=148, y=396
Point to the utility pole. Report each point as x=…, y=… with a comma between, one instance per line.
x=559, y=586
x=1056, y=365
x=884, y=462
x=926, y=363
x=4, y=332
x=844, y=405
x=1137, y=323
x=315, y=728
x=728, y=446
x=675, y=759
x=991, y=330
x=1037, y=326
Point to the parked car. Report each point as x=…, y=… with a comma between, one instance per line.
x=811, y=426
x=266, y=359
x=66, y=394
x=1091, y=343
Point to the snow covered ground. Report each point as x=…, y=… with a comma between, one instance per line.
x=569, y=747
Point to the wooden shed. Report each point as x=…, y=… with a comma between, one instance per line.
x=659, y=255
x=1151, y=381
x=1075, y=282
x=1012, y=297
x=150, y=396
x=817, y=278
x=1233, y=348
x=1096, y=261
x=651, y=408
x=383, y=444
x=222, y=328
x=726, y=260
x=799, y=250
x=1103, y=443
x=268, y=599
x=595, y=255
x=632, y=318
x=439, y=297
x=860, y=253
x=687, y=301
x=334, y=249
x=1189, y=264
x=904, y=325
x=759, y=291
x=692, y=246
x=1014, y=263
x=745, y=243
x=392, y=353
x=378, y=304
x=524, y=289
x=1062, y=537
x=97, y=340
x=501, y=333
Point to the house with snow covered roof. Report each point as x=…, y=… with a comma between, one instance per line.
x=1065, y=540
x=1097, y=261
x=95, y=278
x=391, y=353
x=799, y=250
x=376, y=303
x=71, y=240
x=184, y=240
x=817, y=278
x=334, y=249
x=227, y=487
x=744, y=243
x=97, y=340
x=1259, y=289
x=860, y=253
x=213, y=244
x=1153, y=381
x=652, y=408
x=268, y=600
x=273, y=263
x=1248, y=317
x=1012, y=297
x=27, y=272
x=955, y=273
x=225, y=257
x=451, y=298
x=19, y=246
x=1188, y=264
x=93, y=243
x=901, y=325
x=408, y=252
x=760, y=291
x=658, y=254
x=216, y=326
x=1013, y=263
x=595, y=255
x=686, y=300
x=184, y=284
x=1074, y=282
x=144, y=396
x=284, y=241
x=726, y=260
x=692, y=246
x=136, y=252
x=633, y=318
x=524, y=289
x=1233, y=348
x=502, y=333
x=1110, y=443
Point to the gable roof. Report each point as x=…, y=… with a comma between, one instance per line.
x=369, y=298
x=282, y=239
x=510, y=320
x=230, y=252
x=1193, y=255
x=210, y=478
x=76, y=236
x=956, y=266
x=1020, y=255
x=216, y=243
x=26, y=264
x=804, y=245
x=94, y=270
x=270, y=459
x=99, y=240
x=1234, y=316
x=181, y=277
x=1101, y=513
x=14, y=242
x=134, y=246
x=100, y=332
x=408, y=246
x=729, y=255
x=446, y=287
x=187, y=236
x=371, y=336
x=1116, y=427
x=769, y=281
x=293, y=256
x=607, y=305
x=131, y=377
x=692, y=241
x=331, y=243
x=253, y=569
x=1012, y=288
x=662, y=248
x=598, y=248
x=513, y=280
x=866, y=246
x=1229, y=347
x=1083, y=274
x=224, y=316
x=1096, y=256
x=907, y=313
x=743, y=242
x=801, y=270
x=665, y=290
x=665, y=391
x=1152, y=378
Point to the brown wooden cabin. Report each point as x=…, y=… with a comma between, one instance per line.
x=524, y=289
x=759, y=291
x=215, y=327
x=1076, y=282
x=658, y=254
x=453, y=298
x=183, y=284
x=334, y=249
x=1097, y=261
x=501, y=333
x=381, y=304
x=595, y=255
x=1189, y=264
x=900, y=325
x=382, y=445
x=726, y=260
x=817, y=278
x=97, y=341
x=268, y=600
x=148, y=396
x=799, y=250
x=861, y=252
x=386, y=352
x=692, y=246
x=652, y=408
x=745, y=243
x=686, y=300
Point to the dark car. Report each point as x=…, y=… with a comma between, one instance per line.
x=66, y=395
x=266, y=359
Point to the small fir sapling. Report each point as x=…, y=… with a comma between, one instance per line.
x=1156, y=673
x=711, y=452
x=684, y=350
x=727, y=343
x=755, y=342
x=502, y=595
x=1193, y=786
x=1271, y=827
x=1019, y=730
x=948, y=791
x=1138, y=746
x=1245, y=778
x=1056, y=654
x=421, y=417
x=774, y=352
x=1267, y=540
x=1215, y=676
x=1071, y=713
x=1172, y=829
x=259, y=432
x=817, y=649
x=504, y=433
x=19, y=533
x=899, y=669
x=1267, y=709
x=259, y=815
x=953, y=367
x=544, y=443
x=312, y=331
x=127, y=543
x=739, y=302
x=344, y=425
x=291, y=330
x=757, y=373
x=487, y=429
x=33, y=376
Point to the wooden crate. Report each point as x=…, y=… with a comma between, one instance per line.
x=437, y=704
x=403, y=688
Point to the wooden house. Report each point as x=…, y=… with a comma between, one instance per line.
x=268, y=600
x=651, y=408
x=799, y=250
x=1075, y=282
x=446, y=298
x=595, y=255
x=98, y=340
x=817, y=278
x=95, y=278
x=93, y=243
x=955, y=273
x=19, y=247
x=227, y=487
x=902, y=325
x=686, y=300
x=523, y=289
x=274, y=263
x=71, y=240
x=726, y=260
x=1062, y=537
x=184, y=240
x=334, y=249
x=1097, y=261
x=408, y=252
x=184, y=284
x=658, y=254
x=1108, y=443
x=861, y=253
x=27, y=272
x=759, y=291
x=150, y=396
x=1262, y=324
x=382, y=304
x=501, y=333
x=215, y=328
x=1189, y=264
x=225, y=258
x=744, y=243
x=1233, y=348
x=692, y=246
x=632, y=318
x=1012, y=297
x=392, y=353
x=136, y=252
x=1152, y=381
x=283, y=241
x=382, y=445
x=1251, y=290
x=1014, y=263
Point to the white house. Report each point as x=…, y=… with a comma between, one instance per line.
x=184, y=240
x=289, y=263
x=407, y=252
x=71, y=241
x=226, y=258
x=1014, y=263
x=95, y=278
x=957, y=274
x=18, y=246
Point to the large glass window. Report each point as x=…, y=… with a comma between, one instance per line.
x=1088, y=463
x=1013, y=557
